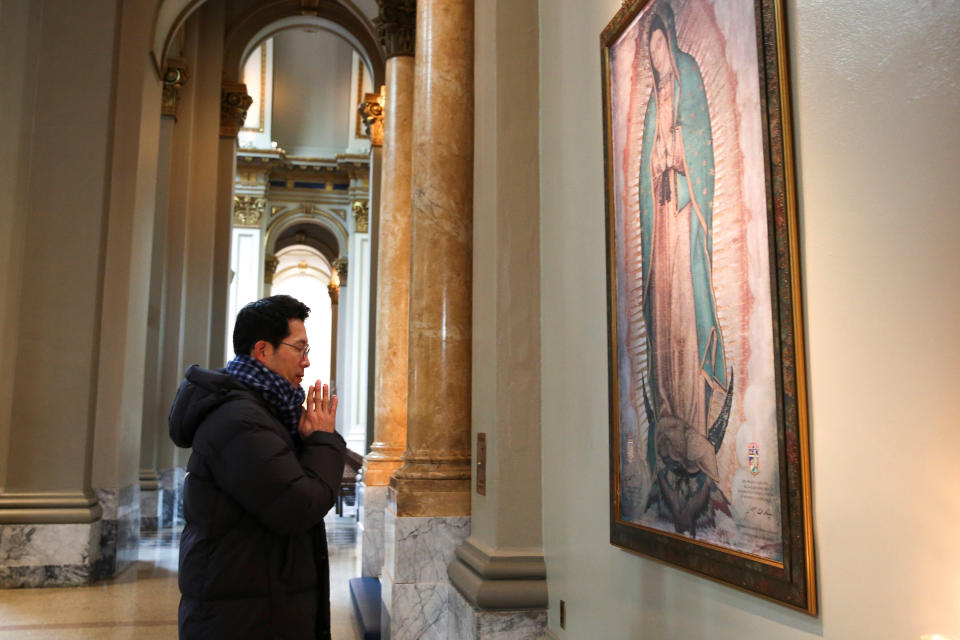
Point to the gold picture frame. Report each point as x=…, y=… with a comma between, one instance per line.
x=709, y=453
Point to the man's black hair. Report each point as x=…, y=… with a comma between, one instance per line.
x=266, y=319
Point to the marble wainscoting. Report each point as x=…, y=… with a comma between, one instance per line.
x=149, y=509
x=119, y=530
x=48, y=555
x=374, y=504
x=414, y=585
x=171, y=498
x=470, y=623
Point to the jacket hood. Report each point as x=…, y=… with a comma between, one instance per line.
x=201, y=391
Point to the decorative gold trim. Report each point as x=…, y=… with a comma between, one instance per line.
x=800, y=369
x=175, y=75
x=361, y=211
x=270, y=263
x=248, y=210
x=371, y=113
x=234, y=103
x=341, y=264
x=359, y=129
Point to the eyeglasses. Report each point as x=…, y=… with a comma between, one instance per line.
x=304, y=351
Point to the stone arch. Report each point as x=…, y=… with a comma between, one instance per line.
x=329, y=228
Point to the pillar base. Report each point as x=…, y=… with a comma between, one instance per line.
x=415, y=587
x=119, y=530
x=49, y=555
x=171, y=498
x=425, y=497
x=378, y=468
x=374, y=504
x=499, y=581
x=149, y=500
x=149, y=509
x=467, y=622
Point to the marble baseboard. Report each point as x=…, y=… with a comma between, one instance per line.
x=374, y=504
x=48, y=555
x=119, y=530
x=149, y=509
x=419, y=611
x=414, y=583
x=418, y=549
x=469, y=623
x=170, y=507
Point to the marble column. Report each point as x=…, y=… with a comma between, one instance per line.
x=396, y=27
x=428, y=504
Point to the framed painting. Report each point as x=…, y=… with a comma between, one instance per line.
x=709, y=457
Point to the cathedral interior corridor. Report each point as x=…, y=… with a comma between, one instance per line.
x=637, y=314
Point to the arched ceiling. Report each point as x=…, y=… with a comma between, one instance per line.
x=313, y=235
x=252, y=21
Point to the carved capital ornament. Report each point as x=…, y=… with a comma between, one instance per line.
x=361, y=216
x=270, y=263
x=234, y=103
x=371, y=114
x=248, y=210
x=174, y=77
x=340, y=264
x=396, y=26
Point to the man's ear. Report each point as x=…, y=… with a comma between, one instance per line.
x=260, y=351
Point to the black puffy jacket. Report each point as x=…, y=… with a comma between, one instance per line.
x=253, y=554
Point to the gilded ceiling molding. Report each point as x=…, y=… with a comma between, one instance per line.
x=361, y=215
x=371, y=113
x=175, y=75
x=396, y=26
x=248, y=210
x=234, y=103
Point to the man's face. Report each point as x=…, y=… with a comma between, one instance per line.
x=285, y=359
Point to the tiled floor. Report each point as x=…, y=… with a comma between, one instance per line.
x=141, y=603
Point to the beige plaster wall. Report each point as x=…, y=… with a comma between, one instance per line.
x=123, y=327
x=506, y=304
x=67, y=138
x=876, y=92
x=19, y=40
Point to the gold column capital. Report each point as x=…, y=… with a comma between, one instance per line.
x=371, y=114
x=234, y=103
x=334, y=290
x=361, y=215
x=270, y=263
x=396, y=26
x=340, y=264
x=175, y=75
x=248, y=210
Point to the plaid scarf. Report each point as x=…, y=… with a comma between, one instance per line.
x=285, y=398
